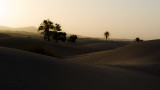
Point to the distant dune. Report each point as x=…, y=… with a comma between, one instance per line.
x=21, y=33
x=26, y=29
x=99, y=44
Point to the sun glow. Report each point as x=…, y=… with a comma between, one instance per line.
x=4, y=9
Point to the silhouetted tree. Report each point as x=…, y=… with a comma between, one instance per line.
x=72, y=38
x=62, y=36
x=51, y=30
x=59, y=36
x=138, y=40
x=46, y=25
x=57, y=27
x=56, y=34
x=106, y=34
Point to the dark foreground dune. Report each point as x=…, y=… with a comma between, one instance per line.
x=20, y=70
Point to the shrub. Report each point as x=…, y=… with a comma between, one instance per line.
x=138, y=40
x=72, y=38
x=59, y=36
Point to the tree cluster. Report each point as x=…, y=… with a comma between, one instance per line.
x=54, y=32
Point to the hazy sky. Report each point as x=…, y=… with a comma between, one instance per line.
x=122, y=18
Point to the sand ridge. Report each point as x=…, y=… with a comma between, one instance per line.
x=26, y=43
x=138, y=53
x=3, y=35
x=130, y=67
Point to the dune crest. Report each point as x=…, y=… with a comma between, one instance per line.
x=32, y=44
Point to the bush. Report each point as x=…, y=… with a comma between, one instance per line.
x=62, y=36
x=59, y=36
x=72, y=38
x=138, y=40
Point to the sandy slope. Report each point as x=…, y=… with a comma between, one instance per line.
x=21, y=70
x=2, y=35
x=26, y=29
x=143, y=57
x=90, y=43
x=60, y=50
x=21, y=33
x=137, y=53
x=100, y=45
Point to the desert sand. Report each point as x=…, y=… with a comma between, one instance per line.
x=25, y=70
x=28, y=44
x=2, y=35
x=79, y=66
x=145, y=53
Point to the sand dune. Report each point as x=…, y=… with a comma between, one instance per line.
x=21, y=70
x=100, y=45
x=105, y=45
x=143, y=57
x=137, y=53
x=131, y=67
x=32, y=44
x=90, y=43
x=21, y=33
x=2, y=35
x=26, y=29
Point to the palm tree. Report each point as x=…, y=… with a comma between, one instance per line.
x=106, y=34
x=46, y=25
